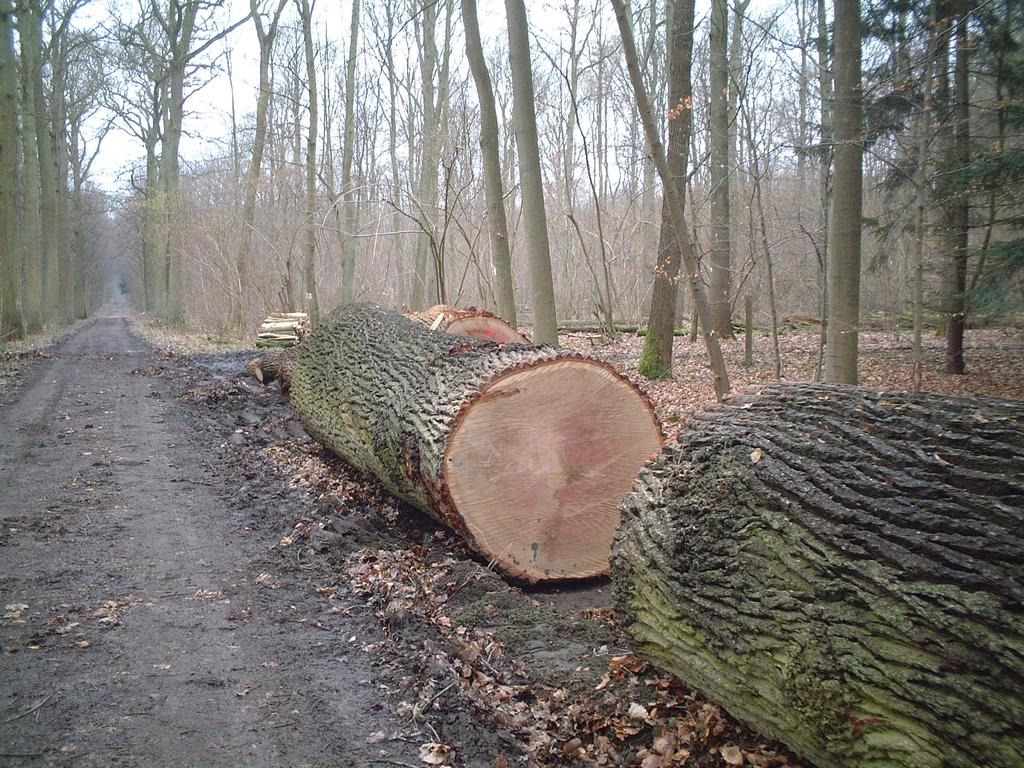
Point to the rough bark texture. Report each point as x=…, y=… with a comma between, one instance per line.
x=392, y=397
x=841, y=569
x=471, y=321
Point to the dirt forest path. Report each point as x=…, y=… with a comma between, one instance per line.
x=135, y=630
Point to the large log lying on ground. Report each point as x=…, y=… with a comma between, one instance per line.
x=843, y=570
x=471, y=321
x=526, y=451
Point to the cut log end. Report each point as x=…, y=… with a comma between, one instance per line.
x=537, y=464
x=471, y=321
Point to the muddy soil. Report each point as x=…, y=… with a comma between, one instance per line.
x=188, y=580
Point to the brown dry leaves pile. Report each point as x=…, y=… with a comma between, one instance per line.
x=634, y=716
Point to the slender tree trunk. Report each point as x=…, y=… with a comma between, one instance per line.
x=921, y=194
x=77, y=245
x=944, y=111
x=396, y=178
x=844, y=274
x=824, y=174
x=65, y=252
x=720, y=256
x=252, y=177
x=348, y=263
x=803, y=92
x=651, y=64
x=152, y=242
x=10, y=267
x=500, y=254
x=425, y=282
x=736, y=86
x=170, y=183
x=682, y=33
x=756, y=174
x=48, y=196
x=961, y=205
x=545, y=326
x=309, y=247
x=28, y=36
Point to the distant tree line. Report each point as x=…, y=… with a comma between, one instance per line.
x=838, y=160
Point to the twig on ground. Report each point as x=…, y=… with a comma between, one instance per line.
x=30, y=710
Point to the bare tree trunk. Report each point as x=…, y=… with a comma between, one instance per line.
x=152, y=251
x=424, y=293
x=309, y=247
x=170, y=173
x=803, y=92
x=80, y=275
x=921, y=194
x=10, y=268
x=500, y=254
x=961, y=204
x=545, y=326
x=265, y=37
x=32, y=260
x=62, y=222
x=756, y=174
x=651, y=64
x=824, y=174
x=844, y=274
x=720, y=252
x=348, y=263
x=682, y=32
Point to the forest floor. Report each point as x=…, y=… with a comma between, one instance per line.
x=187, y=579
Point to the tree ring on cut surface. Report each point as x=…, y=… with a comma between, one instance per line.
x=537, y=464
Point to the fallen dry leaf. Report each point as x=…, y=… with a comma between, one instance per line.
x=267, y=581
x=435, y=753
x=731, y=754
x=637, y=712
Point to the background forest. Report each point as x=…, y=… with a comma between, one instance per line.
x=376, y=157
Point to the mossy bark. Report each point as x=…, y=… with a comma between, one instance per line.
x=843, y=570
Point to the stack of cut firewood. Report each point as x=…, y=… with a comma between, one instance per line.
x=282, y=329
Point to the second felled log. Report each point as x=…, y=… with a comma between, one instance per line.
x=471, y=321
x=526, y=451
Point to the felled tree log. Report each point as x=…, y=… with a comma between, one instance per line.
x=471, y=321
x=526, y=451
x=843, y=570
